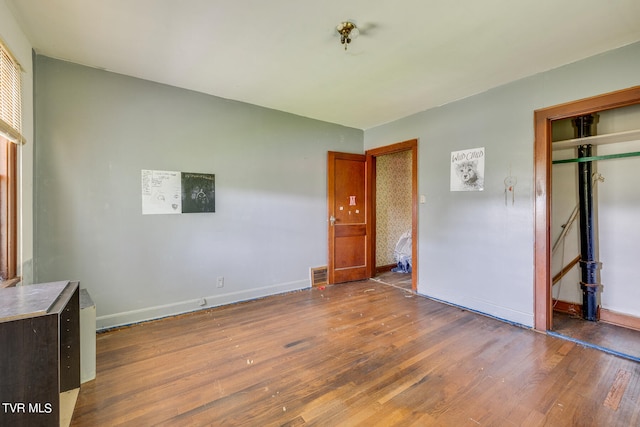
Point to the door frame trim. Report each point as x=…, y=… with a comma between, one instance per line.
x=409, y=145
x=543, y=118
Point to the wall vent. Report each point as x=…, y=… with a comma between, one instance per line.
x=318, y=276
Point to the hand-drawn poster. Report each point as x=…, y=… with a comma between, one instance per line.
x=467, y=170
x=198, y=192
x=171, y=192
x=161, y=192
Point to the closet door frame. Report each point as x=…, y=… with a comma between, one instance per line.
x=543, y=119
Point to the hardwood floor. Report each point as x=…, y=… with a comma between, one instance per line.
x=610, y=337
x=362, y=353
x=399, y=280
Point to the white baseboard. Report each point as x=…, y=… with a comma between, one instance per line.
x=484, y=307
x=181, y=307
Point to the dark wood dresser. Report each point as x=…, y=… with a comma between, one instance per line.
x=39, y=351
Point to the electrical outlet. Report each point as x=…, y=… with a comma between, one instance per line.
x=221, y=281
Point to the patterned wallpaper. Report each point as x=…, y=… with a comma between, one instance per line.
x=393, y=203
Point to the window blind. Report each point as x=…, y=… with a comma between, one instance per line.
x=10, y=96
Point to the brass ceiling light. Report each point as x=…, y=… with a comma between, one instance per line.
x=347, y=31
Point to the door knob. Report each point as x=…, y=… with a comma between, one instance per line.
x=332, y=220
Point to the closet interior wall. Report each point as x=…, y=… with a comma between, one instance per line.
x=616, y=206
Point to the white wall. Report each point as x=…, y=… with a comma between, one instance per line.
x=97, y=130
x=564, y=199
x=20, y=47
x=619, y=229
x=475, y=250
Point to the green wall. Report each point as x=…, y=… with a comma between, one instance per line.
x=476, y=249
x=96, y=131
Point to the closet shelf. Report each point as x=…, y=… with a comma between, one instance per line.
x=609, y=138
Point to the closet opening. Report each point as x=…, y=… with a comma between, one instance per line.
x=586, y=231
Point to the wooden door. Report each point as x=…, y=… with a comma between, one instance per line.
x=347, y=218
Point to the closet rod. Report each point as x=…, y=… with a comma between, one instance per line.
x=592, y=158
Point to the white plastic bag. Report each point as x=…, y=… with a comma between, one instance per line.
x=402, y=253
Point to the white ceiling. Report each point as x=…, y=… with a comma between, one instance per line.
x=411, y=55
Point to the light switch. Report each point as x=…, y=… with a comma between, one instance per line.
x=423, y=199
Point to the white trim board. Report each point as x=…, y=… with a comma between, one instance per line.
x=187, y=306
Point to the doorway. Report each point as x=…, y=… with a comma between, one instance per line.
x=394, y=216
x=544, y=121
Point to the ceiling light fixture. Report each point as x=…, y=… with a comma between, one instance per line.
x=347, y=31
